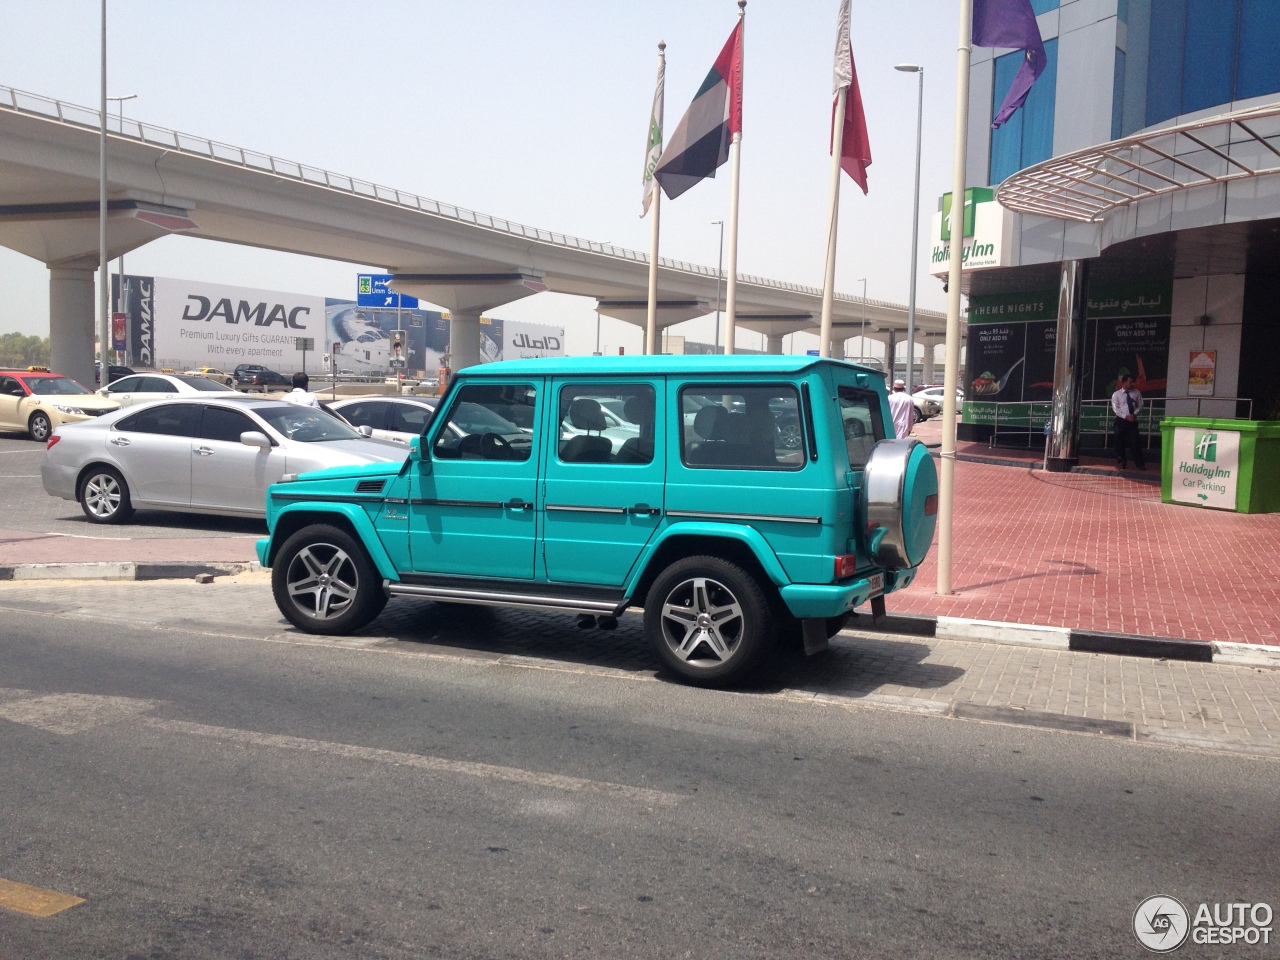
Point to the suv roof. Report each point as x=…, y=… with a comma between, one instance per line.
x=640, y=364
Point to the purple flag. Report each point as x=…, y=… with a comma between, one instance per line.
x=1011, y=23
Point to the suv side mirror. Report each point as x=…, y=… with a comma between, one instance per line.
x=252, y=438
x=416, y=455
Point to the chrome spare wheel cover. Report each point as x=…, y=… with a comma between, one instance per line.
x=883, y=503
x=702, y=622
x=102, y=494
x=322, y=581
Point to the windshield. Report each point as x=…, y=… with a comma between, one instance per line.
x=306, y=424
x=202, y=383
x=55, y=387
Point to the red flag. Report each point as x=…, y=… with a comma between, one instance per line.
x=855, y=151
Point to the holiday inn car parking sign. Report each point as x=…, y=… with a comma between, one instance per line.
x=1206, y=466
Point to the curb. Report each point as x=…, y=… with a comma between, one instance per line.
x=125, y=570
x=1082, y=641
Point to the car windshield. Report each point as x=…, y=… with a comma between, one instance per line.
x=55, y=387
x=306, y=424
x=202, y=383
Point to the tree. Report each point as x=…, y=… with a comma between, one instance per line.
x=19, y=351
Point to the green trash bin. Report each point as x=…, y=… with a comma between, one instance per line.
x=1221, y=464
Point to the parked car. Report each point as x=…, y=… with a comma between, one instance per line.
x=199, y=455
x=387, y=418
x=213, y=373
x=250, y=376
x=936, y=391
x=114, y=372
x=37, y=401
x=926, y=406
x=725, y=537
x=145, y=388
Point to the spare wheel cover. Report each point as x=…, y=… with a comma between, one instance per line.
x=899, y=503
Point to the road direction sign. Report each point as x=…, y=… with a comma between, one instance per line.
x=304, y=343
x=373, y=290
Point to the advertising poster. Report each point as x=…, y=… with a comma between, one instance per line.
x=995, y=368
x=364, y=341
x=1139, y=347
x=1200, y=373
x=1042, y=342
x=201, y=324
x=135, y=298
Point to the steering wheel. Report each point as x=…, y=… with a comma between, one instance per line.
x=306, y=433
x=494, y=446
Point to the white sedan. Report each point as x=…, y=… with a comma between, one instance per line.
x=146, y=387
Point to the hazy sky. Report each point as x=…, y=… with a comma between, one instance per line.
x=534, y=111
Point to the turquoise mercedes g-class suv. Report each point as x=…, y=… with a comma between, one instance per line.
x=733, y=499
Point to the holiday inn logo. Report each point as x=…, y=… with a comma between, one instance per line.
x=972, y=197
x=1205, y=446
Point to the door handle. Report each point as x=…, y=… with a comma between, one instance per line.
x=644, y=510
x=120, y=441
x=204, y=452
x=517, y=504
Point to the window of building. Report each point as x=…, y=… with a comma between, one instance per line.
x=1117, y=97
x=1044, y=6
x=1027, y=137
x=1233, y=53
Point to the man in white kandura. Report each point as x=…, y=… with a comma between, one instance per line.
x=902, y=409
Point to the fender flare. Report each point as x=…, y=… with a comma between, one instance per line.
x=746, y=535
x=354, y=514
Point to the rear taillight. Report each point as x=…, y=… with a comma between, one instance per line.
x=846, y=565
x=931, y=505
x=53, y=438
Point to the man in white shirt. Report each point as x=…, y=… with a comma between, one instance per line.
x=299, y=393
x=1125, y=404
x=902, y=409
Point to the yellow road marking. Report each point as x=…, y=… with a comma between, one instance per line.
x=34, y=900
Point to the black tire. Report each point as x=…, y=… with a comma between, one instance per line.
x=709, y=620
x=324, y=582
x=920, y=417
x=40, y=426
x=104, y=496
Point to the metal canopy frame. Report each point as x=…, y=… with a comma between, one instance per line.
x=1087, y=185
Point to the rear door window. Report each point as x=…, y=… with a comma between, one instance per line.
x=126, y=385
x=606, y=423
x=366, y=413
x=860, y=417
x=741, y=426
x=409, y=417
x=169, y=419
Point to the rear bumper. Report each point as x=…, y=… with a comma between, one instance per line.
x=816, y=600
x=59, y=479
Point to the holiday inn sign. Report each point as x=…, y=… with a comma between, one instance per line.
x=988, y=231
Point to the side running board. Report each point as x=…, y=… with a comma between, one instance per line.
x=491, y=598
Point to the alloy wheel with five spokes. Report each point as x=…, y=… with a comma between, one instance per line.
x=324, y=582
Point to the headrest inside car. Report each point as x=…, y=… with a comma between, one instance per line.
x=585, y=414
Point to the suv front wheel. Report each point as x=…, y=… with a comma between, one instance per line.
x=323, y=582
x=708, y=620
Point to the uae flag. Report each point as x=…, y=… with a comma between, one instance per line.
x=701, y=141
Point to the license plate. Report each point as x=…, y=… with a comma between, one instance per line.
x=877, y=584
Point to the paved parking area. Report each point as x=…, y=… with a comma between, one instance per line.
x=1190, y=704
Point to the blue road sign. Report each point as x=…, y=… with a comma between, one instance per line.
x=372, y=290
x=813, y=353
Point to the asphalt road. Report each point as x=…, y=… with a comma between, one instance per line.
x=25, y=506
x=256, y=797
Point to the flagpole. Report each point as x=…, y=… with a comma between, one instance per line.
x=735, y=159
x=946, y=489
x=829, y=279
x=651, y=315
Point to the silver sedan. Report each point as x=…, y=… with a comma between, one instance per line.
x=209, y=456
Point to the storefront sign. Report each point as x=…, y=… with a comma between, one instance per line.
x=988, y=232
x=1206, y=464
x=1200, y=373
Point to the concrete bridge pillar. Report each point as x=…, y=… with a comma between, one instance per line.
x=464, y=339
x=72, y=315
x=927, y=374
x=773, y=345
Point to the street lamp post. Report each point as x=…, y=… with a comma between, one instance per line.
x=719, y=278
x=104, y=319
x=915, y=223
x=120, y=262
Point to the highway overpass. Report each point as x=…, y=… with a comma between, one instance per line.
x=161, y=181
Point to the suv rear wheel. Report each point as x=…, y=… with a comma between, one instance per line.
x=323, y=582
x=708, y=620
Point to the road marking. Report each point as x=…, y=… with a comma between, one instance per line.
x=655, y=798
x=34, y=901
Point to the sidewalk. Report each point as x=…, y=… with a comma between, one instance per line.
x=1089, y=552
